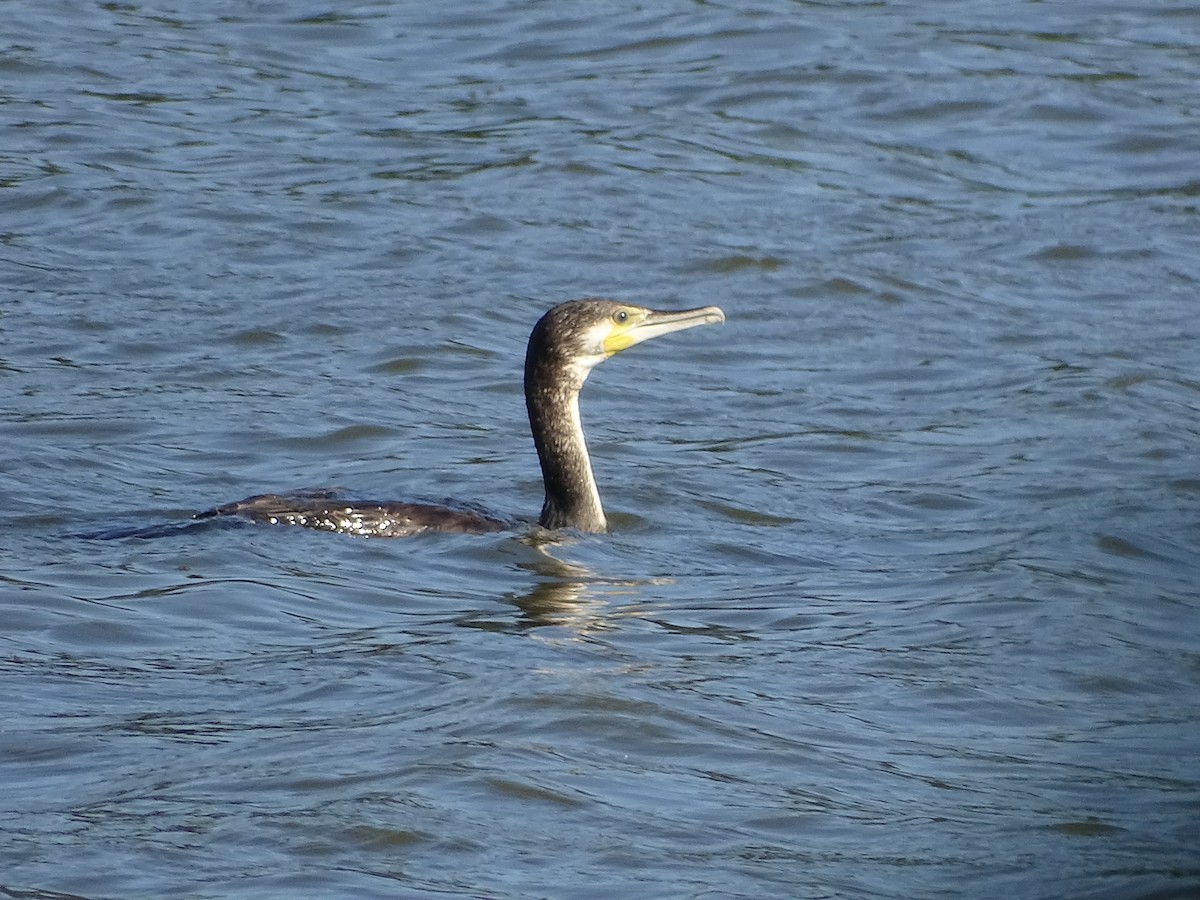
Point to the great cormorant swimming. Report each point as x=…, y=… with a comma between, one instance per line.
x=566, y=344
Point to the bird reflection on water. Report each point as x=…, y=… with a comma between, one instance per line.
x=566, y=595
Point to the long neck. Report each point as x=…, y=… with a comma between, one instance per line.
x=572, y=501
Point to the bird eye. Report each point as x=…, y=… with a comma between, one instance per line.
x=621, y=316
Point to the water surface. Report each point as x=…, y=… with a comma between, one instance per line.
x=900, y=597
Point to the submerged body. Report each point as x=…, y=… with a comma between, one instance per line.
x=566, y=344
x=329, y=511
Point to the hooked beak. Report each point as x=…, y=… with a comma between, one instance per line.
x=659, y=322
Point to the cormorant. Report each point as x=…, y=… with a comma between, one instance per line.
x=566, y=344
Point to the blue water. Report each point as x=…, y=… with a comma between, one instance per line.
x=900, y=597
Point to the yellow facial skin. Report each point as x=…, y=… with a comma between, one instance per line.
x=622, y=323
x=629, y=325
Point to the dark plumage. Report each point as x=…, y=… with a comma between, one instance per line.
x=327, y=511
x=566, y=344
